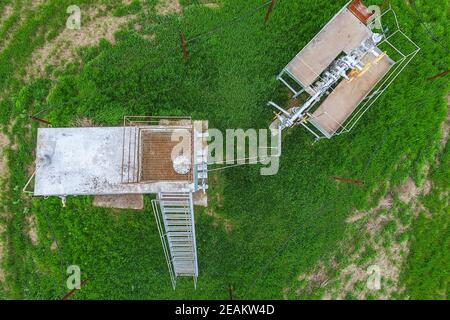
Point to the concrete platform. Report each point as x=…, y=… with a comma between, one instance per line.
x=346, y=97
x=88, y=161
x=343, y=33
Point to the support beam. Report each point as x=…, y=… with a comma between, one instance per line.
x=72, y=292
x=358, y=183
x=40, y=120
x=439, y=75
x=183, y=46
x=269, y=11
x=230, y=292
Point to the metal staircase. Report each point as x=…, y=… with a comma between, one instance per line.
x=174, y=213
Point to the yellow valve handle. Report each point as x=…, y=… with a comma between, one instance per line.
x=277, y=115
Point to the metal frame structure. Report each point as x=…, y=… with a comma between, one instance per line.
x=369, y=99
x=385, y=82
x=174, y=206
x=285, y=70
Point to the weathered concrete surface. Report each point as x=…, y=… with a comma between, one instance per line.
x=88, y=161
x=200, y=198
x=343, y=33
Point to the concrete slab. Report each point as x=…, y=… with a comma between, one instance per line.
x=346, y=97
x=126, y=201
x=200, y=198
x=343, y=33
x=88, y=161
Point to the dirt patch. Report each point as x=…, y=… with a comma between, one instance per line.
x=54, y=246
x=376, y=223
x=210, y=4
x=31, y=229
x=129, y=201
x=318, y=278
x=149, y=37
x=218, y=220
x=408, y=191
x=4, y=142
x=380, y=248
x=219, y=200
x=445, y=127
x=286, y=292
x=427, y=186
x=165, y=7
x=384, y=204
x=7, y=11
x=200, y=198
x=356, y=217
x=228, y=226
x=62, y=49
x=36, y=3
x=21, y=11
x=379, y=244
x=83, y=123
x=2, y=253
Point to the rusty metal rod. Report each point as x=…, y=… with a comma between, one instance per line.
x=72, y=292
x=40, y=120
x=269, y=11
x=439, y=75
x=351, y=181
x=230, y=292
x=183, y=46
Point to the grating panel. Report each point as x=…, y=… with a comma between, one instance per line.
x=156, y=156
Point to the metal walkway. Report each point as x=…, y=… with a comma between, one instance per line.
x=130, y=155
x=174, y=213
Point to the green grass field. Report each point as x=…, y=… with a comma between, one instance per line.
x=282, y=226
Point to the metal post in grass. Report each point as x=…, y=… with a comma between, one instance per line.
x=439, y=75
x=183, y=46
x=230, y=292
x=269, y=11
x=40, y=120
x=358, y=183
x=72, y=292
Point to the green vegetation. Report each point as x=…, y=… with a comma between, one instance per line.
x=427, y=273
x=281, y=225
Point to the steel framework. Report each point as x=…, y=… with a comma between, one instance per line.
x=311, y=122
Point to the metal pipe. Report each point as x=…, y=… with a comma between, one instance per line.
x=278, y=107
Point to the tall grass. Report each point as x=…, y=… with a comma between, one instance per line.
x=281, y=225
